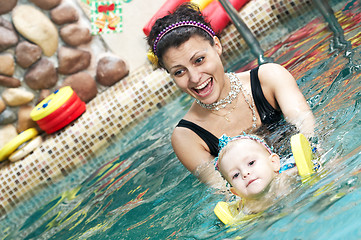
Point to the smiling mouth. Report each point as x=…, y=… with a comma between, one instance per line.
x=205, y=88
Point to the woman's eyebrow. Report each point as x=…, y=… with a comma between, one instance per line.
x=198, y=53
x=176, y=66
x=191, y=58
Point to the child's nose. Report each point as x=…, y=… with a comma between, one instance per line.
x=245, y=175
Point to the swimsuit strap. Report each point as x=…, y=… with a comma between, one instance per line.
x=265, y=110
x=206, y=136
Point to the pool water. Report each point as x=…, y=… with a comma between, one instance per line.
x=137, y=189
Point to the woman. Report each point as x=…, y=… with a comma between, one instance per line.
x=189, y=50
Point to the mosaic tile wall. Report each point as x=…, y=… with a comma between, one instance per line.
x=107, y=118
x=115, y=111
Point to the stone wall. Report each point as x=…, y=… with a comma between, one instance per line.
x=45, y=45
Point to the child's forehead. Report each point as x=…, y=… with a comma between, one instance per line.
x=239, y=143
x=244, y=148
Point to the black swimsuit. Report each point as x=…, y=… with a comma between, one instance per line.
x=267, y=113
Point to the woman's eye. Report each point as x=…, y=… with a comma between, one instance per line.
x=251, y=162
x=199, y=60
x=235, y=175
x=178, y=73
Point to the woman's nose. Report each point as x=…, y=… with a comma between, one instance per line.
x=194, y=75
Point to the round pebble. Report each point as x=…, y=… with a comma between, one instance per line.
x=7, y=116
x=7, y=64
x=37, y=27
x=64, y=13
x=27, y=53
x=17, y=96
x=7, y=133
x=41, y=75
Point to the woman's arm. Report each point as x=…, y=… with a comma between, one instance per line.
x=194, y=154
x=281, y=89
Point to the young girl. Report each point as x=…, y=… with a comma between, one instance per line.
x=253, y=170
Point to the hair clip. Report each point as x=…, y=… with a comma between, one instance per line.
x=152, y=57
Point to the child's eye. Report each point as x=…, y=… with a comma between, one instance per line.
x=199, y=60
x=251, y=162
x=235, y=175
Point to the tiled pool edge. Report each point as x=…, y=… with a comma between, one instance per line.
x=107, y=117
x=114, y=111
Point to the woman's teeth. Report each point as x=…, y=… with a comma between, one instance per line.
x=203, y=85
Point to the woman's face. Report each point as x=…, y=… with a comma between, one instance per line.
x=197, y=69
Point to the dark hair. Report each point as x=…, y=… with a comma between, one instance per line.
x=176, y=37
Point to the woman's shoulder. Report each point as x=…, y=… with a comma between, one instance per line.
x=273, y=74
x=271, y=69
x=265, y=71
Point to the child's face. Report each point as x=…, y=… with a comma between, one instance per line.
x=249, y=168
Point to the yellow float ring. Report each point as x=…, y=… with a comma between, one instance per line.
x=51, y=103
x=24, y=151
x=21, y=138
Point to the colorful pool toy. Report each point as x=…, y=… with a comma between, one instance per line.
x=301, y=150
x=202, y=4
x=16, y=142
x=212, y=9
x=58, y=110
x=217, y=16
x=26, y=149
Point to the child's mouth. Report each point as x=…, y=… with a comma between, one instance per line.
x=251, y=181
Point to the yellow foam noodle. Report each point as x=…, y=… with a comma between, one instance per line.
x=14, y=143
x=224, y=212
x=202, y=3
x=229, y=214
x=302, y=153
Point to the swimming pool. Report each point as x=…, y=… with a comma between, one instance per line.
x=137, y=189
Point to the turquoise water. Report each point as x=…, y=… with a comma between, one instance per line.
x=137, y=189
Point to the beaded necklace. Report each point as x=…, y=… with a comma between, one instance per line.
x=236, y=87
